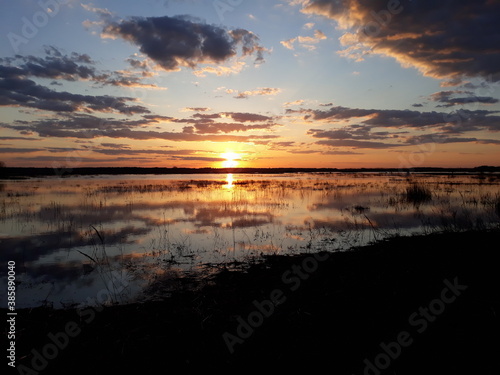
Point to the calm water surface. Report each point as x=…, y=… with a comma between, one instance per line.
x=78, y=239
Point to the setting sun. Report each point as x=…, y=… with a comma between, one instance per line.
x=231, y=159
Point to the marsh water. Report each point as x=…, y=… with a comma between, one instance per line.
x=93, y=239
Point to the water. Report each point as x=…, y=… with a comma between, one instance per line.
x=85, y=240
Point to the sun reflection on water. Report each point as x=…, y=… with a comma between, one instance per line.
x=229, y=181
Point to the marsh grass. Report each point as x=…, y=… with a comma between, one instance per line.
x=417, y=194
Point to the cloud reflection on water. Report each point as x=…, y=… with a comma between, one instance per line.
x=151, y=225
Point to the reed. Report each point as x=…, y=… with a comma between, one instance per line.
x=417, y=194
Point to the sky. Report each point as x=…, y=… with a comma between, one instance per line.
x=240, y=83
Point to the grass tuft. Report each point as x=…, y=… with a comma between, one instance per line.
x=416, y=194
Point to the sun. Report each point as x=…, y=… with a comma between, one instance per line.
x=231, y=159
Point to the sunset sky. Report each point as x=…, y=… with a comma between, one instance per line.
x=261, y=83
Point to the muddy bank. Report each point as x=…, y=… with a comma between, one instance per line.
x=419, y=305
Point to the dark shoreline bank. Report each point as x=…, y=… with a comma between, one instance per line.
x=19, y=172
x=337, y=310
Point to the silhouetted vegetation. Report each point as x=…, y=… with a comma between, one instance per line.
x=418, y=194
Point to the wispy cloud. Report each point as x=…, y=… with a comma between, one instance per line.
x=307, y=42
x=261, y=91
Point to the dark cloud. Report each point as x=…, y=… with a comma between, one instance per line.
x=197, y=109
x=222, y=127
x=244, y=117
x=203, y=123
x=17, y=91
x=17, y=139
x=55, y=68
x=66, y=149
x=376, y=128
x=120, y=146
x=74, y=67
x=449, y=98
x=446, y=40
x=202, y=127
x=237, y=116
x=462, y=120
x=8, y=150
x=166, y=154
x=437, y=138
x=354, y=137
x=85, y=126
x=197, y=158
x=178, y=41
x=445, y=138
x=122, y=151
x=207, y=115
x=339, y=152
x=355, y=144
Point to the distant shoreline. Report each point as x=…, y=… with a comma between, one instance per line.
x=16, y=172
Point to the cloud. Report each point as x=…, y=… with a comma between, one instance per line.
x=120, y=146
x=203, y=123
x=174, y=42
x=74, y=67
x=445, y=138
x=85, y=126
x=26, y=93
x=386, y=129
x=289, y=43
x=220, y=70
x=449, y=99
x=463, y=120
x=295, y=102
x=54, y=65
x=9, y=150
x=246, y=117
x=17, y=139
x=16, y=91
x=355, y=137
x=195, y=109
x=445, y=40
x=304, y=41
x=122, y=151
x=261, y=91
x=357, y=144
x=60, y=161
x=214, y=128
